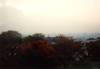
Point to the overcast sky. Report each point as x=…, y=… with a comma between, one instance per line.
x=50, y=16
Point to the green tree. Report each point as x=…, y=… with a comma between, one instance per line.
x=10, y=37
x=38, y=36
x=9, y=42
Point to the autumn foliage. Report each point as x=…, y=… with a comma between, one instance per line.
x=40, y=51
x=42, y=46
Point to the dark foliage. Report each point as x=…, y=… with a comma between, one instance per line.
x=39, y=51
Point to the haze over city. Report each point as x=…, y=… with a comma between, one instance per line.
x=50, y=16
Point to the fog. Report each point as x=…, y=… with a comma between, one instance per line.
x=50, y=16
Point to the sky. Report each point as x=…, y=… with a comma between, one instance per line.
x=50, y=16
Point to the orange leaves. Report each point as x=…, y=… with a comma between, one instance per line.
x=41, y=46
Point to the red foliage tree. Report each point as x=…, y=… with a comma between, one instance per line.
x=41, y=46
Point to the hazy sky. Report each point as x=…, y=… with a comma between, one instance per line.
x=50, y=16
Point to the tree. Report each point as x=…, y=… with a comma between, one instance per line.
x=10, y=37
x=94, y=50
x=9, y=42
x=64, y=46
x=37, y=53
x=38, y=36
